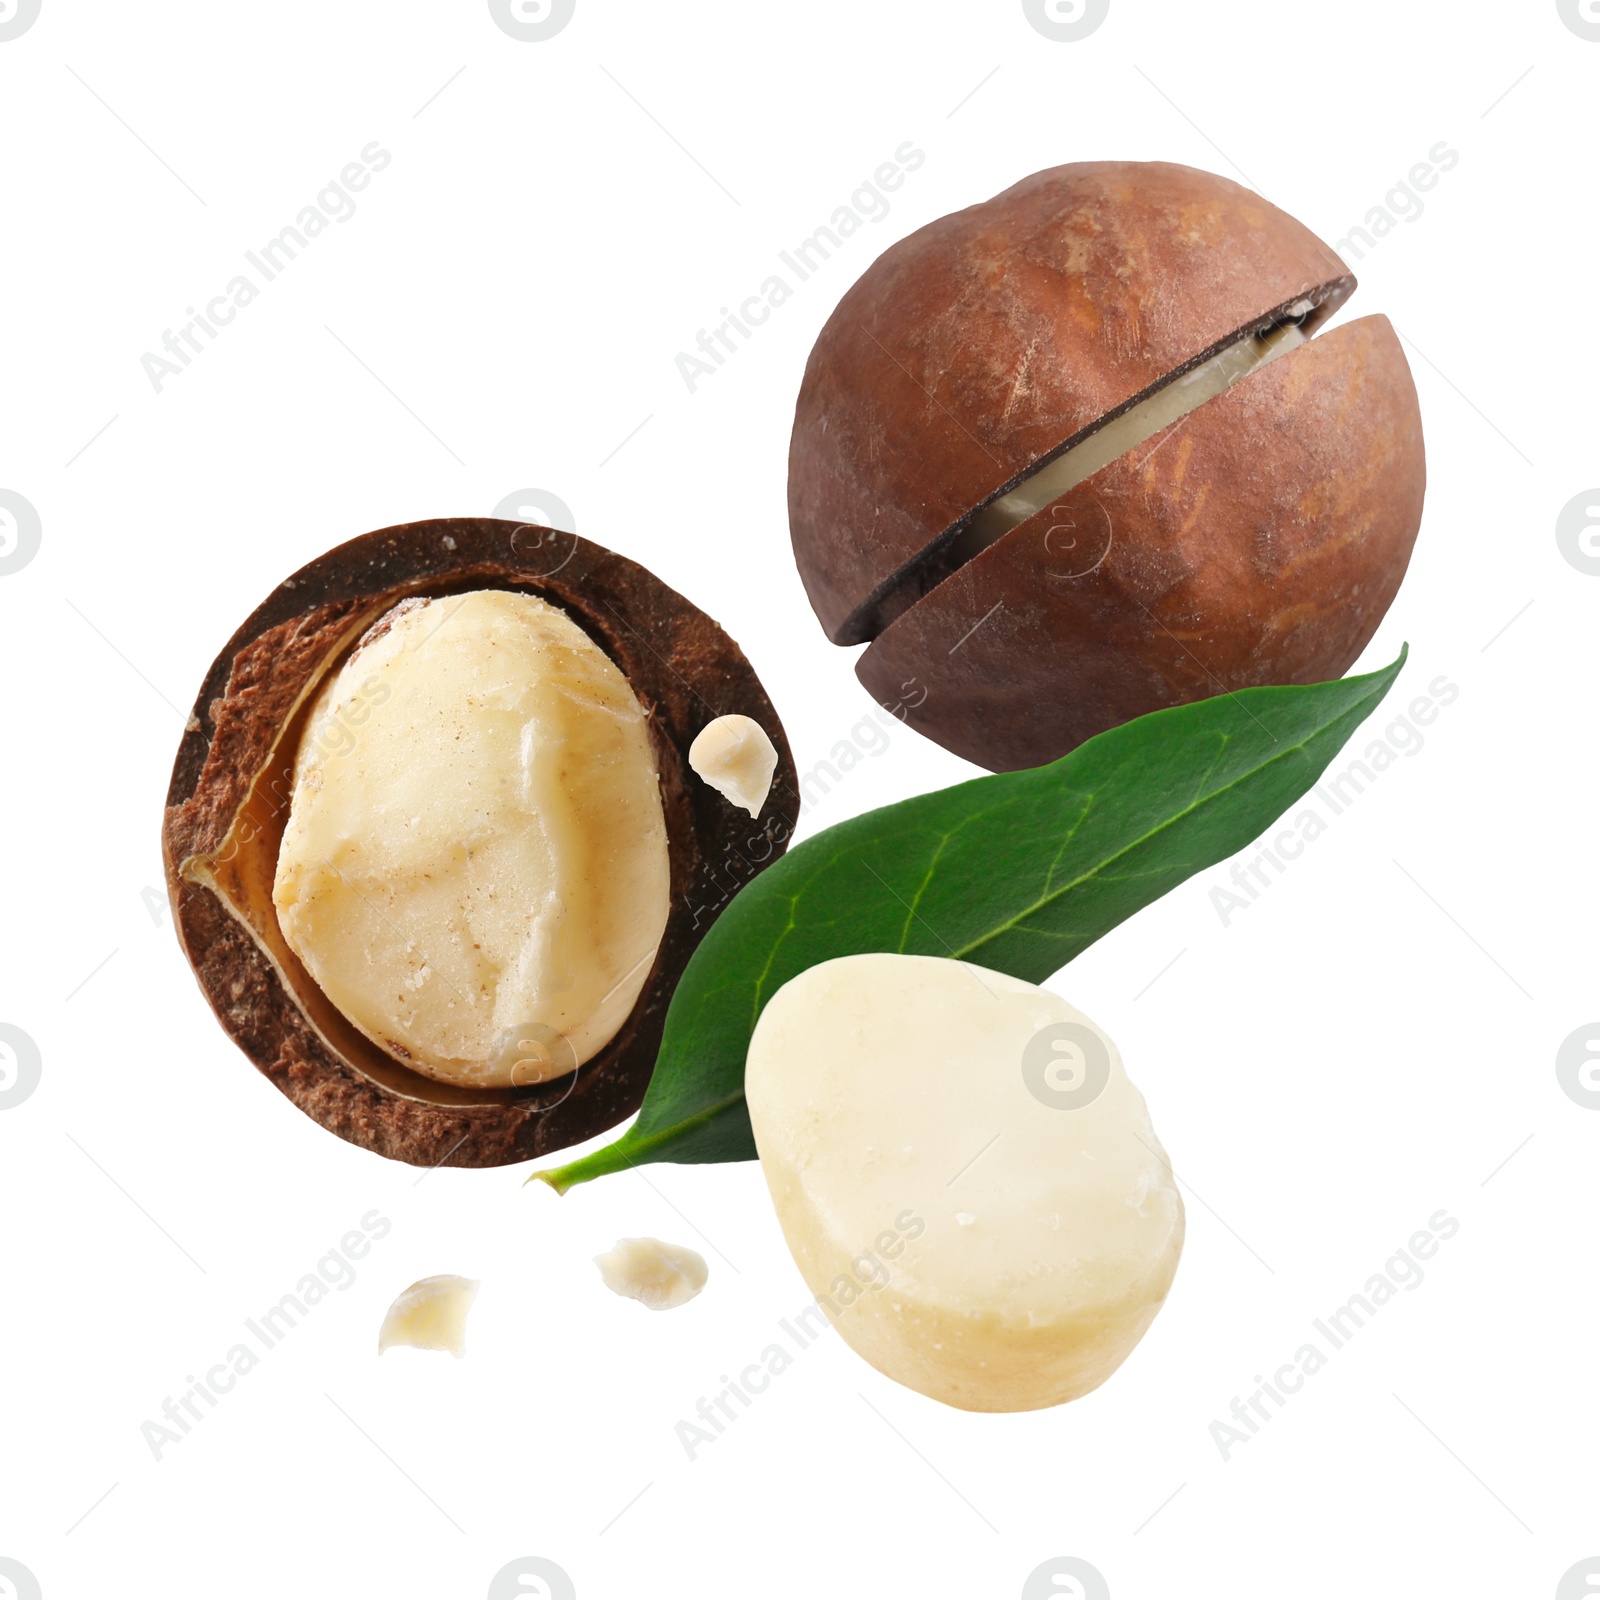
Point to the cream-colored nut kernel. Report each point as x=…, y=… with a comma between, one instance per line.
x=431, y=1315
x=735, y=756
x=474, y=869
x=975, y=1141
x=657, y=1275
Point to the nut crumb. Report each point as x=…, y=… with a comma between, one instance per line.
x=734, y=755
x=660, y=1276
x=431, y=1315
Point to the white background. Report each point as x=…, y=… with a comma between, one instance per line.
x=1373, y=1040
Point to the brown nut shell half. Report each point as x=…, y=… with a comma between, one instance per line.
x=1258, y=540
x=229, y=795
x=989, y=341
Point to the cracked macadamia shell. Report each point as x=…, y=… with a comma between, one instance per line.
x=975, y=1196
x=1254, y=545
x=233, y=781
x=1257, y=539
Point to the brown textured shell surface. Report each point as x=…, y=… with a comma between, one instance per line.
x=1260, y=540
x=228, y=800
x=987, y=341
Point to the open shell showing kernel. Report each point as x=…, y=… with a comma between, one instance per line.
x=232, y=793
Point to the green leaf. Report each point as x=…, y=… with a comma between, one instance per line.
x=1019, y=872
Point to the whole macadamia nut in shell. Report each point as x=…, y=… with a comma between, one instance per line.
x=1070, y=456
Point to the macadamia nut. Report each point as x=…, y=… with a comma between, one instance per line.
x=660, y=1276
x=1089, y=449
x=735, y=756
x=474, y=869
x=975, y=1139
x=431, y=1315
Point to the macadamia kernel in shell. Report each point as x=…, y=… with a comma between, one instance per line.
x=475, y=869
x=977, y=1139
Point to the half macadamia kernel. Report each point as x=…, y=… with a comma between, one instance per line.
x=966, y=1178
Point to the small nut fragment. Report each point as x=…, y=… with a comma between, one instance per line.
x=735, y=756
x=660, y=1276
x=976, y=1140
x=431, y=1315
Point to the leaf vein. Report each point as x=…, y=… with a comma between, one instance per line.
x=1154, y=833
